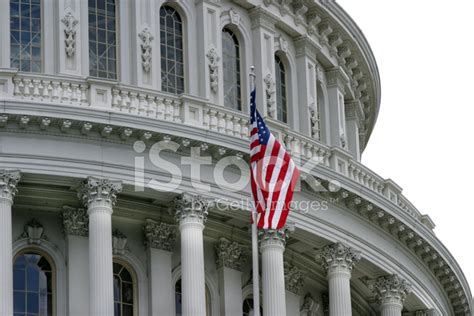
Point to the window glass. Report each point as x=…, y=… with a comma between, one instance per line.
x=25, y=35
x=281, y=100
x=171, y=48
x=124, y=295
x=102, y=39
x=231, y=64
x=32, y=286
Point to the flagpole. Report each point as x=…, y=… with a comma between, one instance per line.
x=256, y=286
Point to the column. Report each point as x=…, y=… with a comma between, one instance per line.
x=160, y=239
x=99, y=196
x=191, y=214
x=338, y=261
x=76, y=228
x=272, y=246
x=229, y=259
x=294, y=281
x=8, y=181
x=390, y=291
x=336, y=80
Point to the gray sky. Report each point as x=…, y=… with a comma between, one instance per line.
x=423, y=136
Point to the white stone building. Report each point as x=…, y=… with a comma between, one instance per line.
x=101, y=98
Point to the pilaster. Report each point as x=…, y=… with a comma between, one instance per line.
x=229, y=258
x=354, y=120
x=5, y=34
x=263, y=32
x=99, y=196
x=76, y=230
x=390, y=292
x=160, y=239
x=294, y=281
x=8, y=182
x=70, y=37
x=336, y=81
x=338, y=260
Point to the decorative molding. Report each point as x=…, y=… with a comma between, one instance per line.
x=119, y=243
x=8, y=183
x=99, y=190
x=146, y=38
x=269, y=94
x=310, y=307
x=285, y=7
x=33, y=231
x=70, y=23
x=338, y=256
x=75, y=221
x=229, y=254
x=313, y=24
x=159, y=235
x=282, y=43
x=324, y=31
x=314, y=120
x=300, y=11
x=213, y=59
x=234, y=16
x=190, y=206
x=260, y=18
x=294, y=279
x=390, y=288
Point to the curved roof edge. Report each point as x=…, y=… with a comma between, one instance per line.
x=338, y=12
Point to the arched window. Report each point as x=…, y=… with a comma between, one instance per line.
x=102, y=39
x=231, y=64
x=124, y=291
x=25, y=35
x=171, y=45
x=281, y=102
x=248, y=307
x=179, y=297
x=33, y=293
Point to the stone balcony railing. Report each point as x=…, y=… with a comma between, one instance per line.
x=188, y=110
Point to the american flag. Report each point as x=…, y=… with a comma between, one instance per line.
x=273, y=173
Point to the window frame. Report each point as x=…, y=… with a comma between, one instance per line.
x=208, y=296
x=281, y=65
x=133, y=274
x=49, y=258
x=117, y=44
x=183, y=21
x=237, y=42
x=42, y=34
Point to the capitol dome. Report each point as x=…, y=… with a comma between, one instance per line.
x=124, y=177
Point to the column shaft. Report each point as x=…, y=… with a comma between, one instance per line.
x=8, y=182
x=273, y=279
x=6, y=268
x=192, y=267
x=100, y=261
x=339, y=293
x=391, y=309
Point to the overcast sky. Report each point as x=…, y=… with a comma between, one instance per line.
x=423, y=138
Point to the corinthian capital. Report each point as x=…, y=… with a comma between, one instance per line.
x=75, y=221
x=8, y=181
x=338, y=256
x=229, y=254
x=390, y=289
x=294, y=280
x=274, y=236
x=191, y=206
x=99, y=190
x=159, y=235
